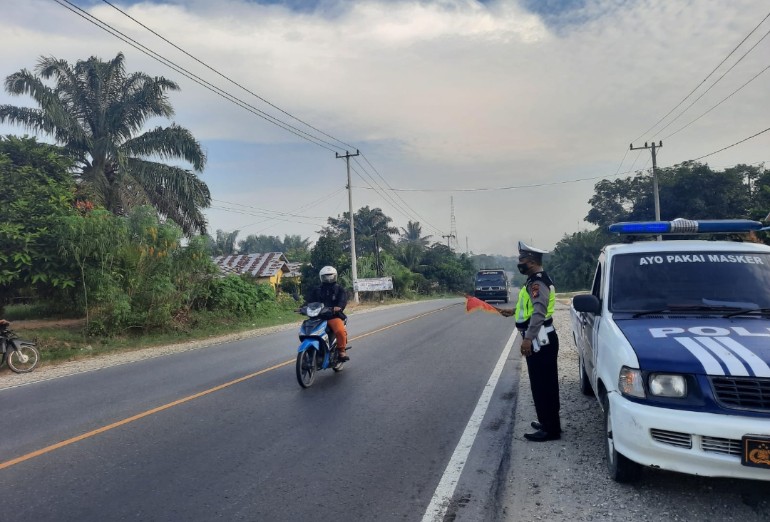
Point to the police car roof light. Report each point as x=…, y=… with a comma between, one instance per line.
x=686, y=226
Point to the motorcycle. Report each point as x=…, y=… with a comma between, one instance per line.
x=20, y=355
x=318, y=347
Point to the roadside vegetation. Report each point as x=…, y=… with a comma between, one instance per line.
x=98, y=226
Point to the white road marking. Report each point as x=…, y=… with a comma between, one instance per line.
x=446, y=486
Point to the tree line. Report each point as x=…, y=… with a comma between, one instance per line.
x=690, y=190
x=100, y=225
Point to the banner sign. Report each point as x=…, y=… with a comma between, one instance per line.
x=374, y=284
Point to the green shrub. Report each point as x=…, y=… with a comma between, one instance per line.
x=240, y=297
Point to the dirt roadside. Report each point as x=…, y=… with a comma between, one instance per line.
x=45, y=372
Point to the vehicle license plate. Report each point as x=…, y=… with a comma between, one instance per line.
x=756, y=451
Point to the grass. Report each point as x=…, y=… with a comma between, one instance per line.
x=63, y=340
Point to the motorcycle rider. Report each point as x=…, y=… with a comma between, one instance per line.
x=333, y=295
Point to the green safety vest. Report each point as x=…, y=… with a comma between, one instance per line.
x=524, y=306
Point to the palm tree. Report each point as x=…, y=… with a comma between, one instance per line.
x=373, y=230
x=372, y=227
x=223, y=244
x=413, y=234
x=96, y=112
x=296, y=248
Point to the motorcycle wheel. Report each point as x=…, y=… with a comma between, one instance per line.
x=24, y=359
x=306, y=368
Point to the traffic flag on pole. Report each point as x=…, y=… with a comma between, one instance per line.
x=474, y=303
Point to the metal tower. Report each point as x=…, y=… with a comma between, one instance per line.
x=452, y=225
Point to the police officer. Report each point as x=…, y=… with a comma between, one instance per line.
x=539, y=342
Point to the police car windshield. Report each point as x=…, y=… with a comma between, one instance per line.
x=690, y=281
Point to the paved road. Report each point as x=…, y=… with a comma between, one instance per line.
x=225, y=433
x=369, y=443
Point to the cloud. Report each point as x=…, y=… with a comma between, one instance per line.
x=437, y=94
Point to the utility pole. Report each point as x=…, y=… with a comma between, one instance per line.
x=654, y=173
x=448, y=238
x=654, y=176
x=354, y=268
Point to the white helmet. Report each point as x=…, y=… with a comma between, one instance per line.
x=328, y=274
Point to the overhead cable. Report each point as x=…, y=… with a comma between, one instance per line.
x=718, y=104
x=577, y=180
x=712, y=85
x=704, y=79
x=399, y=196
x=217, y=90
x=226, y=77
x=200, y=81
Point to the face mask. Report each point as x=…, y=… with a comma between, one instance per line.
x=523, y=268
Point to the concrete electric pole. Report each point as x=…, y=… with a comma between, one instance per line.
x=654, y=175
x=353, y=268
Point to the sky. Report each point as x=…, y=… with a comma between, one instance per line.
x=493, y=120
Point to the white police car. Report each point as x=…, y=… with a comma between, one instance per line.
x=674, y=341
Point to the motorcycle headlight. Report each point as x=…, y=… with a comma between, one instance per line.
x=630, y=382
x=314, y=309
x=667, y=385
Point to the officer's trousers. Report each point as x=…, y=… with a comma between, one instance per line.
x=544, y=381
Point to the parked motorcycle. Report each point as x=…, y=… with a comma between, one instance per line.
x=20, y=355
x=318, y=347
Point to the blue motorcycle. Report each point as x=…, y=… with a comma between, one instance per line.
x=318, y=348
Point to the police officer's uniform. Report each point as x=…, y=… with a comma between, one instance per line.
x=534, y=310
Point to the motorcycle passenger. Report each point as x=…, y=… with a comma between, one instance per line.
x=333, y=295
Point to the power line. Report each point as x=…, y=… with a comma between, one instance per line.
x=388, y=198
x=224, y=76
x=200, y=81
x=718, y=104
x=713, y=84
x=511, y=187
x=422, y=220
x=266, y=211
x=704, y=79
x=303, y=207
x=221, y=92
x=728, y=147
x=577, y=180
x=248, y=213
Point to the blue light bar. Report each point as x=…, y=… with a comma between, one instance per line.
x=686, y=226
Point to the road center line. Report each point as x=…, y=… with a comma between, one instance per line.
x=128, y=420
x=446, y=487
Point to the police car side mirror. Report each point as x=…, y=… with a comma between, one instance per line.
x=587, y=303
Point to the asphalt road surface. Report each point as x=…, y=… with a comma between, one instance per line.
x=425, y=423
x=226, y=433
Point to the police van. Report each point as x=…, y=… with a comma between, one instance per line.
x=674, y=342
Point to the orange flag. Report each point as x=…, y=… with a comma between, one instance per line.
x=473, y=303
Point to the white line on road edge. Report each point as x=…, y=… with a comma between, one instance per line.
x=446, y=487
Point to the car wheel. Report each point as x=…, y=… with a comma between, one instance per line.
x=621, y=468
x=585, y=384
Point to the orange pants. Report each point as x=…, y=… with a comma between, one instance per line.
x=338, y=327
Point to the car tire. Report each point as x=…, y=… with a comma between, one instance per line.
x=621, y=469
x=585, y=384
